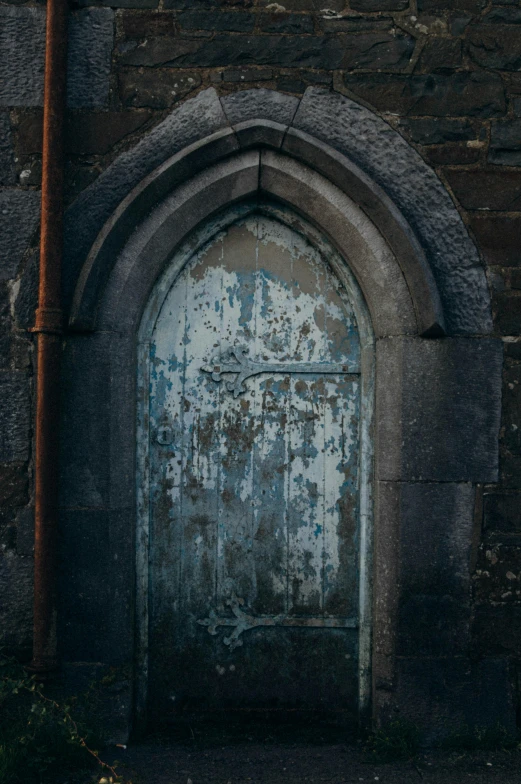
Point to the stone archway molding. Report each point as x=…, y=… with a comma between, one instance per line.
x=341, y=143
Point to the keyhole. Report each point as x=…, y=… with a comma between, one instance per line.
x=164, y=436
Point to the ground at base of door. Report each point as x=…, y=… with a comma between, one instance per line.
x=164, y=762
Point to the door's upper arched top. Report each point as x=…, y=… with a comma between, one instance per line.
x=330, y=150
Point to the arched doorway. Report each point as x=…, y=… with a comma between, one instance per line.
x=437, y=374
x=254, y=442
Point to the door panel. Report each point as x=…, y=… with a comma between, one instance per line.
x=254, y=466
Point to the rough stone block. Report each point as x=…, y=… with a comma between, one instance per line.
x=14, y=485
x=451, y=154
x=507, y=312
x=497, y=629
x=446, y=425
x=15, y=416
x=443, y=695
x=247, y=75
x=91, y=35
x=188, y=5
x=384, y=156
x=473, y=6
x=85, y=440
x=259, y=104
x=495, y=46
x=379, y=5
x=97, y=133
x=19, y=213
x=197, y=118
x=375, y=51
x=29, y=132
x=439, y=130
x=7, y=167
x=140, y=24
x=286, y=23
x=227, y=49
x=25, y=531
x=487, y=189
x=505, y=143
x=503, y=15
x=235, y=22
x=510, y=471
x=16, y=604
x=157, y=89
x=498, y=238
x=440, y=54
x=511, y=409
x=96, y=584
x=475, y=94
x=306, y=5
x=22, y=33
x=355, y=24
x=436, y=526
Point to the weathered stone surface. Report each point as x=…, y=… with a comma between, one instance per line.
x=96, y=581
x=379, y=5
x=482, y=189
x=436, y=522
x=234, y=22
x=14, y=484
x=503, y=16
x=259, y=103
x=507, y=312
x=119, y=3
x=510, y=471
x=16, y=603
x=157, y=89
x=498, y=238
x=476, y=94
x=307, y=5
x=25, y=531
x=355, y=24
x=85, y=440
x=90, y=134
x=160, y=50
x=442, y=695
x=384, y=155
x=247, y=75
x=19, y=213
x=195, y=119
x=15, y=416
x=225, y=49
x=188, y=5
x=29, y=128
x=22, y=32
x=26, y=300
x=502, y=512
x=140, y=24
x=451, y=154
x=497, y=629
x=439, y=130
x=91, y=35
x=505, y=143
x=286, y=23
x=7, y=168
x=495, y=46
x=440, y=54
x=453, y=386
x=377, y=50
x=474, y=6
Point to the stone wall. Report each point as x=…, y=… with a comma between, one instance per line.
x=445, y=73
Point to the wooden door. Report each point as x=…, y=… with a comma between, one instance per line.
x=254, y=480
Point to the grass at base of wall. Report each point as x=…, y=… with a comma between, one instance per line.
x=41, y=739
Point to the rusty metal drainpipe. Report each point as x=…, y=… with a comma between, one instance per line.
x=48, y=328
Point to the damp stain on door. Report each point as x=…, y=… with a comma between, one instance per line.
x=253, y=427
